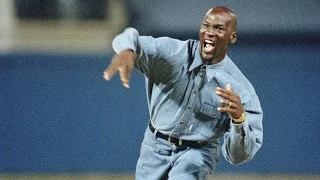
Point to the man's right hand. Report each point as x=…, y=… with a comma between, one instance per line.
x=122, y=63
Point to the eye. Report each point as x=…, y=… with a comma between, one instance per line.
x=205, y=25
x=220, y=28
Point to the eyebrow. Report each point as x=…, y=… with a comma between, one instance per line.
x=215, y=24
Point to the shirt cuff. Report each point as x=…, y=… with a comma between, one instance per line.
x=126, y=41
x=238, y=127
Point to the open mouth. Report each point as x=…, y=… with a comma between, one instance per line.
x=208, y=46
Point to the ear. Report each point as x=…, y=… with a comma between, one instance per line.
x=233, y=37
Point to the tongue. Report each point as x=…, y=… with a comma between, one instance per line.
x=208, y=47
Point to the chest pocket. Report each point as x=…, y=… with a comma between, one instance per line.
x=208, y=112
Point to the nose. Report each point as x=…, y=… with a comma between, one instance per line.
x=211, y=32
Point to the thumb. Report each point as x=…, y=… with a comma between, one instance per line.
x=228, y=87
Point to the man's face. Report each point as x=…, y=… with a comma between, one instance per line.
x=217, y=31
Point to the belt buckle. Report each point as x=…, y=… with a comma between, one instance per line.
x=179, y=143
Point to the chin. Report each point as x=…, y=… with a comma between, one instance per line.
x=206, y=57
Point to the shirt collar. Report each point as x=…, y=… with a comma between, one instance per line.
x=212, y=69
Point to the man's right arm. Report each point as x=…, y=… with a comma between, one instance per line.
x=137, y=51
x=127, y=40
x=129, y=54
x=125, y=45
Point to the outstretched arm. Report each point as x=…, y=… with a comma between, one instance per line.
x=125, y=45
x=145, y=53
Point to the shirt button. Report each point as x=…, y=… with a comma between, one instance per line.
x=194, y=92
x=189, y=107
x=181, y=122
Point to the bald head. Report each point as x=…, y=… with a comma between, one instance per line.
x=217, y=31
x=224, y=10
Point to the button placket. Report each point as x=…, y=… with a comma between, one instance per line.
x=193, y=92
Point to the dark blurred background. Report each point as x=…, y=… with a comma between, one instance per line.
x=58, y=115
x=61, y=9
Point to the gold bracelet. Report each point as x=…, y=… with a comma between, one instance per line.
x=241, y=119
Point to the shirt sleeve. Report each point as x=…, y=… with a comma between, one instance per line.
x=126, y=40
x=151, y=53
x=242, y=141
x=145, y=47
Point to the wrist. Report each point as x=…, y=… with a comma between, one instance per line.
x=239, y=120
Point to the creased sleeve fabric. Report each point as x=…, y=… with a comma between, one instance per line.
x=126, y=41
x=242, y=141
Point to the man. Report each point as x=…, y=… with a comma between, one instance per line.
x=196, y=95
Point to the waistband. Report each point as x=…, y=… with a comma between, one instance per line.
x=176, y=141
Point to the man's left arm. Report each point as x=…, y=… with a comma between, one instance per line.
x=245, y=135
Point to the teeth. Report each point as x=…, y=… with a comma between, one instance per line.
x=208, y=48
x=208, y=41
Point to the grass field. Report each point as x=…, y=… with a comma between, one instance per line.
x=130, y=177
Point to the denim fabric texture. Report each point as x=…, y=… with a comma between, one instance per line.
x=183, y=104
x=167, y=161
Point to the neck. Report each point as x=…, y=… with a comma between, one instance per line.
x=212, y=61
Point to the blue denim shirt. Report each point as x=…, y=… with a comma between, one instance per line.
x=181, y=94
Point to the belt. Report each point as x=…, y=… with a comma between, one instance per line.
x=176, y=141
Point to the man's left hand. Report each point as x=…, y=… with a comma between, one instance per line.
x=231, y=102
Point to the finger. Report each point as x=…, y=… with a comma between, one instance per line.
x=225, y=109
x=223, y=93
x=228, y=87
x=110, y=71
x=223, y=90
x=106, y=76
x=125, y=74
x=226, y=103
